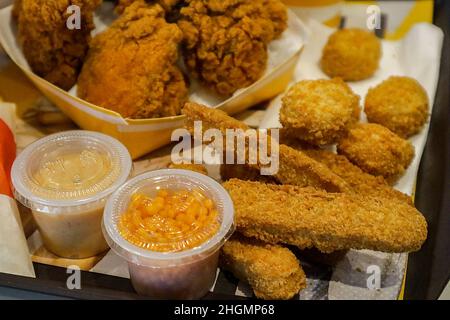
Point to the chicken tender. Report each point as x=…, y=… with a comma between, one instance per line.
x=361, y=182
x=53, y=51
x=377, y=150
x=225, y=41
x=351, y=54
x=307, y=217
x=294, y=166
x=398, y=103
x=131, y=67
x=319, y=111
x=272, y=271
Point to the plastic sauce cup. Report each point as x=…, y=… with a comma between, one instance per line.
x=186, y=274
x=65, y=179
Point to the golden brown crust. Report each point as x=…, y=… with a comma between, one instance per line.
x=192, y=167
x=225, y=42
x=272, y=271
x=307, y=217
x=398, y=103
x=294, y=166
x=131, y=67
x=351, y=54
x=243, y=172
x=377, y=150
x=52, y=50
x=166, y=4
x=361, y=182
x=319, y=111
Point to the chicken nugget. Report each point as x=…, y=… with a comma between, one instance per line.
x=273, y=272
x=225, y=42
x=319, y=111
x=351, y=54
x=294, y=166
x=307, y=217
x=398, y=103
x=377, y=150
x=131, y=67
x=53, y=51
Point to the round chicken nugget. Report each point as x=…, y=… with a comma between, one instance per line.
x=377, y=150
x=352, y=54
x=319, y=111
x=398, y=103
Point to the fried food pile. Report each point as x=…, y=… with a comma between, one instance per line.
x=52, y=50
x=318, y=202
x=134, y=67
x=131, y=67
x=225, y=41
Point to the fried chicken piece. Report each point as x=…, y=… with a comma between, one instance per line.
x=167, y=5
x=319, y=111
x=294, y=166
x=273, y=272
x=191, y=167
x=377, y=150
x=307, y=217
x=131, y=67
x=351, y=54
x=53, y=51
x=225, y=41
x=398, y=103
x=361, y=182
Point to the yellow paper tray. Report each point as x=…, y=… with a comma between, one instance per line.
x=144, y=135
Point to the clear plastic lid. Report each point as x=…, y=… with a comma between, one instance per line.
x=150, y=184
x=71, y=171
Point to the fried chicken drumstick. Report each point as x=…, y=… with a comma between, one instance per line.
x=52, y=50
x=225, y=41
x=307, y=217
x=131, y=67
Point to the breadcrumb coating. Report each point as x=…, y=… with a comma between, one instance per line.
x=351, y=54
x=166, y=4
x=319, y=111
x=225, y=41
x=191, y=167
x=361, y=182
x=398, y=103
x=272, y=271
x=131, y=67
x=294, y=166
x=307, y=217
x=53, y=51
x=377, y=150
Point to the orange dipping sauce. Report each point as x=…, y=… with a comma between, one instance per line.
x=172, y=221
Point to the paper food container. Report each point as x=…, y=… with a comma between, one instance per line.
x=145, y=135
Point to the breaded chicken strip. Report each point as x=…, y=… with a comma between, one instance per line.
x=52, y=50
x=377, y=150
x=294, y=166
x=273, y=272
x=131, y=67
x=225, y=41
x=307, y=217
x=361, y=182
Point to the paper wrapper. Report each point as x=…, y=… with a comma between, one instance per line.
x=14, y=254
x=143, y=136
